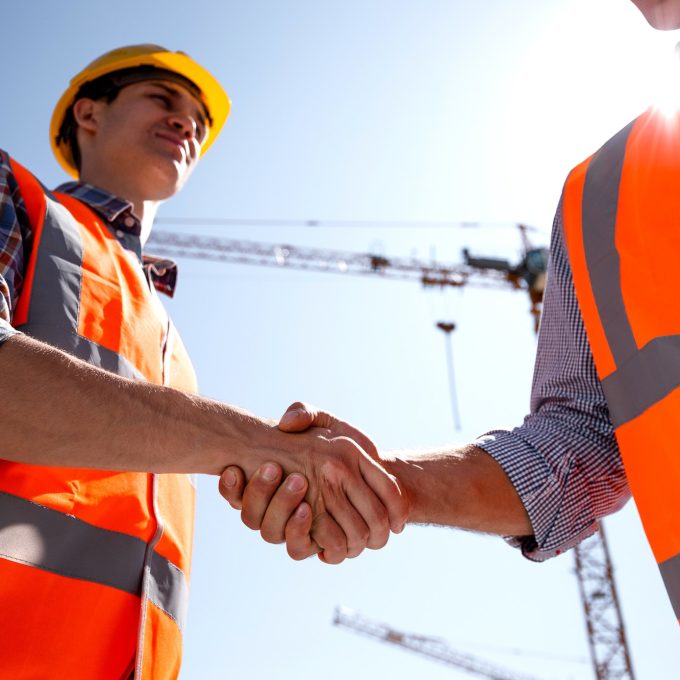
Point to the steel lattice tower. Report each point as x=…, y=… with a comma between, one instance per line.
x=606, y=632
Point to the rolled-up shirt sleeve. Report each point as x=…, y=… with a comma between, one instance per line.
x=563, y=460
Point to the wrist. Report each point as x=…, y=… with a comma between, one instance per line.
x=248, y=441
x=405, y=471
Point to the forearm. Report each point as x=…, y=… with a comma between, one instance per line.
x=62, y=411
x=460, y=487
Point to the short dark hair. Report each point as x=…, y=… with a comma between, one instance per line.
x=106, y=88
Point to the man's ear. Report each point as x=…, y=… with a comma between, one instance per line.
x=86, y=114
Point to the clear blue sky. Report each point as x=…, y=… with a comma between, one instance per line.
x=381, y=109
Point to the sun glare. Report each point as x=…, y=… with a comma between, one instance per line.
x=666, y=83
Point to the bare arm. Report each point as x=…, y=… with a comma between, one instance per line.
x=82, y=416
x=460, y=487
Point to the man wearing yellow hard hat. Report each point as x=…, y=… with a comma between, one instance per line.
x=102, y=427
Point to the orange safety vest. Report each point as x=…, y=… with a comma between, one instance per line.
x=621, y=210
x=94, y=564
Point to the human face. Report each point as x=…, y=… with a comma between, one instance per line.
x=661, y=14
x=149, y=137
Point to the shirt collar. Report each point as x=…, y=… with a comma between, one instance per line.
x=118, y=213
x=105, y=203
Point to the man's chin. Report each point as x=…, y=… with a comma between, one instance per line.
x=660, y=14
x=165, y=179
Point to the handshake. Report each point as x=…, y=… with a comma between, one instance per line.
x=337, y=498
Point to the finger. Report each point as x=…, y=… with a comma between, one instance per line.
x=369, y=488
x=259, y=492
x=347, y=517
x=282, y=506
x=330, y=538
x=357, y=532
x=297, y=418
x=372, y=511
x=299, y=542
x=231, y=484
x=386, y=488
x=300, y=416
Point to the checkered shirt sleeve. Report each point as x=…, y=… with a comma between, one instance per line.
x=563, y=460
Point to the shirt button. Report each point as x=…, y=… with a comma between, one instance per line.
x=129, y=221
x=119, y=233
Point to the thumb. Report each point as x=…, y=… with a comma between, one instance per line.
x=297, y=418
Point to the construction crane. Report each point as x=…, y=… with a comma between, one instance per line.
x=433, y=648
x=484, y=272
x=604, y=623
x=530, y=272
x=593, y=566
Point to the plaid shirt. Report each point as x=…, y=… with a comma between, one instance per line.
x=564, y=460
x=16, y=238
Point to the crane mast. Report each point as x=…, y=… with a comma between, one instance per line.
x=604, y=623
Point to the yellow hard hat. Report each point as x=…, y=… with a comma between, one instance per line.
x=211, y=93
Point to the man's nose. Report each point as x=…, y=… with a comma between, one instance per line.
x=184, y=124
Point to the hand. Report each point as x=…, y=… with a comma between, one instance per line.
x=278, y=510
x=300, y=417
x=275, y=508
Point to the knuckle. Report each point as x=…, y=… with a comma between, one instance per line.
x=378, y=541
x=250, y=521
x=334, y=468
x=330, y=557
x=271, y=536
x=298, y=553
x=381, y=516
x=231, y=494
x=336, y=546
x=297, y=405
x=355, y=550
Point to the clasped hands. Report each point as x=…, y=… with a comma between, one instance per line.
x=335, y=501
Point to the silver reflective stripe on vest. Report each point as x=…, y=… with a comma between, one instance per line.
x=45, y=538
x=41, y=537
x=644, y=376
x=168, y=589
x=58, y=277
x=600, y=202
x=649, y=376
x=83, y=348
x=58, y=269
x=670, y=572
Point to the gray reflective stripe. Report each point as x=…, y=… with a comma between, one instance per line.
x=83, y=348
x=41, y=537
x=600, y=202
x=53, y=314
x=643, y=376
x=670, y=573
x=649, y=376
x=45, y=538
x=168, y=589
x=58, y=270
